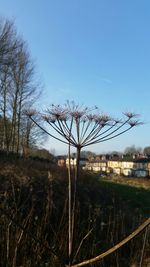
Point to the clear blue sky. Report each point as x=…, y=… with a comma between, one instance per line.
x=96, y=52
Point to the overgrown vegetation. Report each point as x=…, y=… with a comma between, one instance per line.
x=34, y=216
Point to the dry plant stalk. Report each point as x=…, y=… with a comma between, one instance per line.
x=116, y=247
x=79, y=127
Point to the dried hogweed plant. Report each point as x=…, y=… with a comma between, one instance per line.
x=79, y=127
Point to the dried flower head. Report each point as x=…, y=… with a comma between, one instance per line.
x=57, y=112
x=80, y=126
x=130, y=115
x=133, y=123
x=30, y=112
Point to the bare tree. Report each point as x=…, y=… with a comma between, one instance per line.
x=23, y=92
x=132, y=150
x=8, y=46
x=79, y=127
x=4, y=94
x=18, y=89
x=8, y=41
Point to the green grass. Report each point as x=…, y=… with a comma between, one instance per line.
x=137, y=198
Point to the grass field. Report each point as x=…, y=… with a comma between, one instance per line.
x=136, y=192
x=111, y=209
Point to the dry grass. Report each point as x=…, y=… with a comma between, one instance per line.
x=132, y=181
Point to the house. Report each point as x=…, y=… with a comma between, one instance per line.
x=126, y=167
x=82, y=162
x=61, y=162
x=141, y=167
x=96, y=166
x=117, y=166
x=72, y=161
x=114, y=166
x=148, y=167
x=140, y=173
